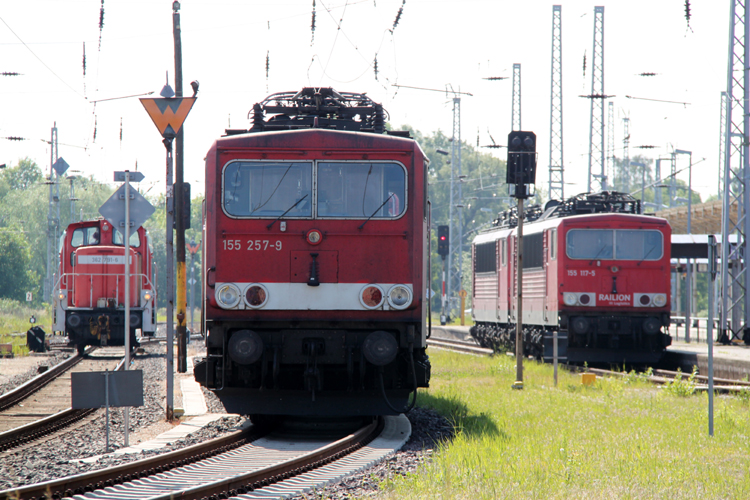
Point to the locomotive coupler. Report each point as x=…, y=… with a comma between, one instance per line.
x=313, y=280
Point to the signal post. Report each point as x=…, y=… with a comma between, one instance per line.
x=443, y=249
x=520, y=176
x=168, y=114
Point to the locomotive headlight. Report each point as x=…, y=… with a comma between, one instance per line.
x=570, y=299
x=399, y=297
x=228, y=296
x=314, y=237
x=256, y=296
x=146, y=295
x=660, y=299
x=380, y=348
x=61, y=295
x=371, y=296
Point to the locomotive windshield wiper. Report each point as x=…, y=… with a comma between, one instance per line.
x=287, y=211
x=603, y=248
x=376, y=210
x=647, y=254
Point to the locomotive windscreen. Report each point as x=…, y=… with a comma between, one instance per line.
x=85, y=236
x=268, y=189
x=617, y=244
x=342, y=189
x=117, y=239
x=359, y=189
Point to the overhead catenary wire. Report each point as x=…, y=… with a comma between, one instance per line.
x=39, y=59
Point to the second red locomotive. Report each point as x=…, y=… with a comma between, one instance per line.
x=594, y=271
x=315, y=243
x=89, y=301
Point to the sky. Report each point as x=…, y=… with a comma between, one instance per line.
x=243, y=50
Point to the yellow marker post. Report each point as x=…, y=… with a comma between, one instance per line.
x=462, y=294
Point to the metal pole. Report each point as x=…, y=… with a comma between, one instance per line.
x=518, y=384
x=710, y=330
x=688, y=309
x=72, y=200
x=126, y=410
x=443, y=316
x=179, y=202
x=106, y=405
x=554, y=353
x=643, y=189
x=170, y=282
x=192, y=284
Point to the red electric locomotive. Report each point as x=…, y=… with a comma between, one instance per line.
x=594, y=270
x=89, y=295
x=315, y=259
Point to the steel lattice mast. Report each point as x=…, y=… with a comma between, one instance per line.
x=734, y=296
x=455, y=237
x=596, y=130
x=53, y=219
x=611, y=140
x=625, y=168
x=556, y=190
x=516, y=109
x=722, y=133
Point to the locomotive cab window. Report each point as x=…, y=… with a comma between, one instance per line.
x=84, y=236
x=361, y=190
x=614, y=244
x=342, y=190
x=117, y=238
x=267, y=189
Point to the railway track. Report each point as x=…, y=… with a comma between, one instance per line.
x=658, y=376
x=662, y=377
x=459, y=346
x=41, y=406
x=247, y=463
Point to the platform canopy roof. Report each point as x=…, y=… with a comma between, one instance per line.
x=705, y=217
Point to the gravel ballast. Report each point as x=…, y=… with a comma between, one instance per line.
x=59, y=457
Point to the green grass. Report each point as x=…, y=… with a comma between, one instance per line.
x=14, y=319
x=618, y=439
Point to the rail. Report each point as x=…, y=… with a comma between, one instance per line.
x=34, y=430
x=142, y=479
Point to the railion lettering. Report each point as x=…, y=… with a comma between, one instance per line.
x=621, y=297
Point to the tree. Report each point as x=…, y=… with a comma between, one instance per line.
x=24, y=175
x=16, y=275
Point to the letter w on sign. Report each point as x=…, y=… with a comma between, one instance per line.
x=168, y=114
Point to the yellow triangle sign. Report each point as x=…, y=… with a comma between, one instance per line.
x=168, y=114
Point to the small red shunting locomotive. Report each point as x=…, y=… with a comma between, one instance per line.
x=89, y=294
